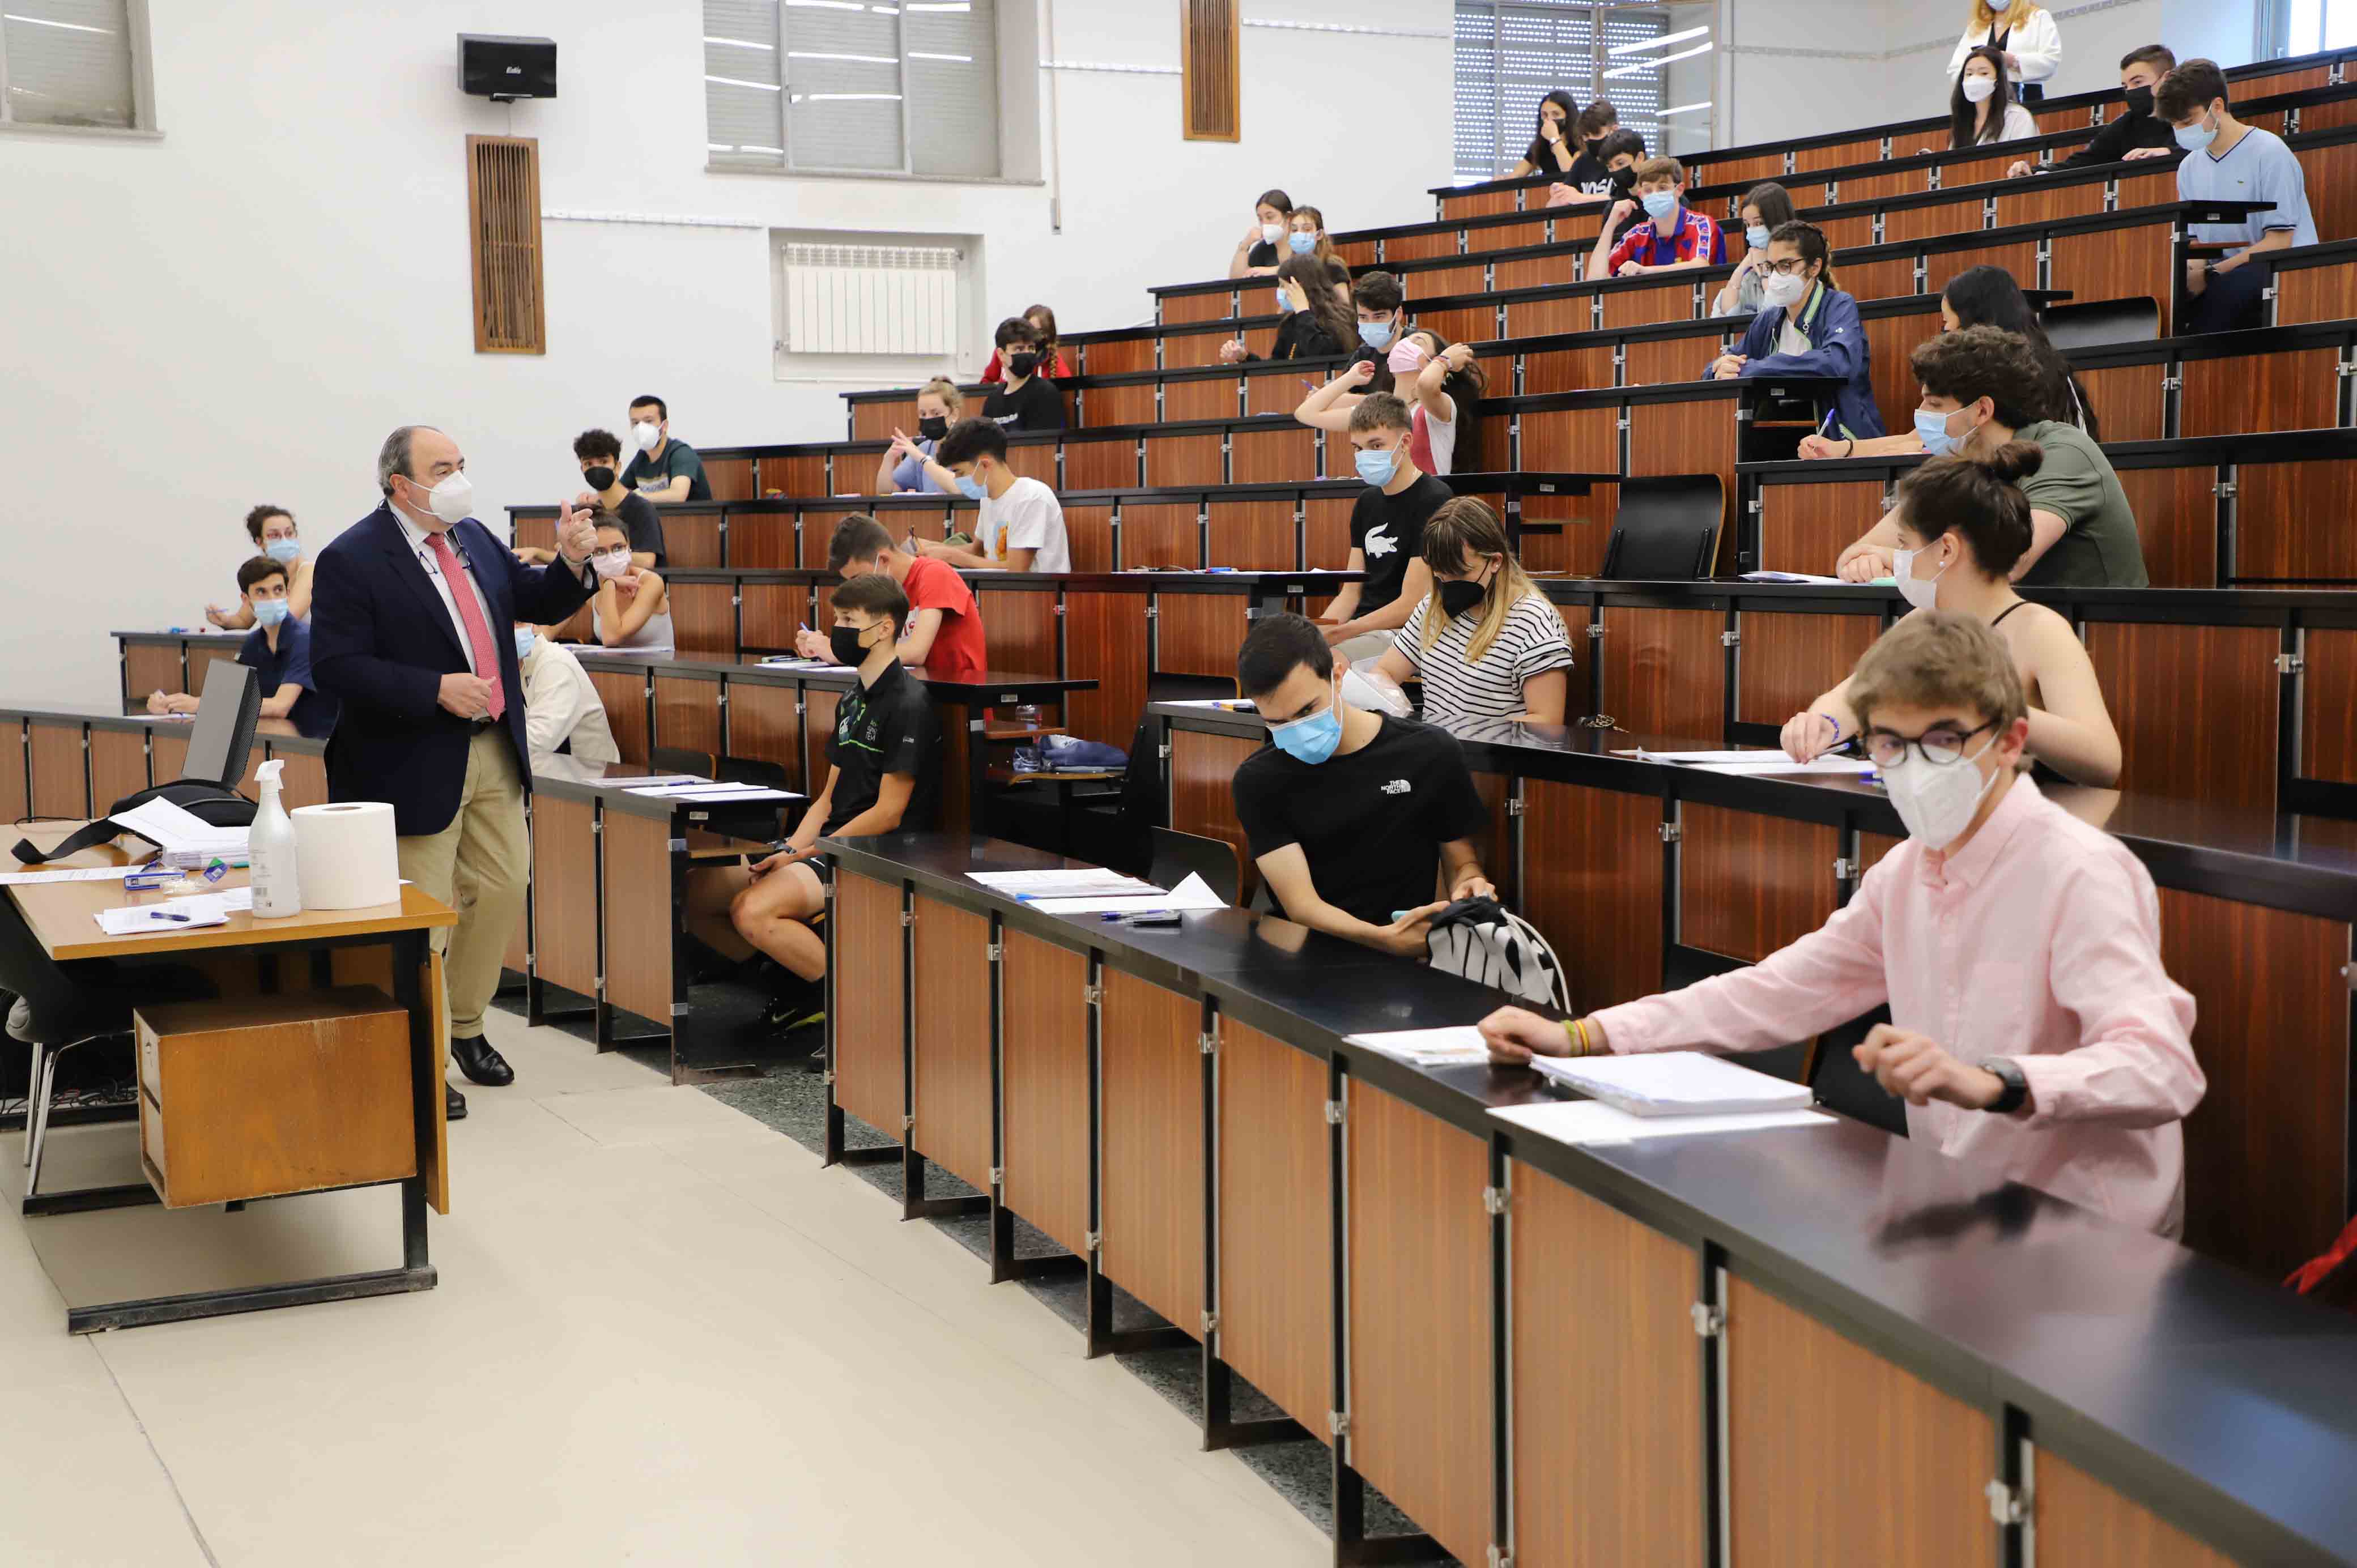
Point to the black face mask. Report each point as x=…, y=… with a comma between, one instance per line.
x=1461, y=597
x=1022, y=362
x=1593, y=144
x=2139, y=99
x=1624, y=180
x=845, y=644
x=932, y=429
x=600, y=479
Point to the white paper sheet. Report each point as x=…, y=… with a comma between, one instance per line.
x=1674, y=1083
x=1428, y=1047
x=1081, y=882
x=179, y=831
x=648, y=781
x=76, y=874
x=1193, y=894
x=1846, y=766
x=201, y=909
x=1795, y=577
x=1593, y=1122
x=746, y=792
x=1220, y=704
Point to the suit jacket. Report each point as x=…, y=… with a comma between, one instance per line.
x=381, y=640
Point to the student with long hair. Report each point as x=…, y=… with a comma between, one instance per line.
x=1485, y=642
x=1051, y=351
x=940, y=405
x=1441, y=385
x=1767, y=207
x=1552, y=149
x=1981, y=106
x=1808, y=328
x=2022, y=32
x=1256, y=252
x=1318, y=324
x=1309, y=236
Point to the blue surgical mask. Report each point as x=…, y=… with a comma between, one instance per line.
x=283, y=549
x=971, y=488
x=269, y=612
x=1302, y=243
x=1376, y=467
x=1660, y=204
x=2194, y=138
x=524, y=639
x=1756, y=236
x=1375, y=334
x=1933, y=429
x=1310, y=740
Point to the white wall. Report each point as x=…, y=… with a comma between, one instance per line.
x=240, y=311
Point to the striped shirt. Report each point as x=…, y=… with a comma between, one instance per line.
x=1530, y=642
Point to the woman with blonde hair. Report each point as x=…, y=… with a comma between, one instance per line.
x=1485, y=642
x=940, y=405
x=2021, y=30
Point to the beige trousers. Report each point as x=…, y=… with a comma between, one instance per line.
x=479, y=866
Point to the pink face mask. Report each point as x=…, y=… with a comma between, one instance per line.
x=1406, y=355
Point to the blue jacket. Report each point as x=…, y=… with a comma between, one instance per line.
x=381, y=640
x=1830, y=321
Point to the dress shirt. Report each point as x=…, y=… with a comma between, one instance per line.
x=2040, y=941
x=422, y=553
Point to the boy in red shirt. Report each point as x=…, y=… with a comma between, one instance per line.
x=945, y=635
x=1677, y=237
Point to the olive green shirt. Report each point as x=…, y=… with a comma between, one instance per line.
x=2099, y=547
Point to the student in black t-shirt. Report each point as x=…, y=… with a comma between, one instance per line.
x=1362, y=823
x=2137, y=133
x=884, y=776
x=1256, y=252
x=1552, y=149
x=597, y=451
x=1589, y=180
x=663, y=469
x=1622, y=152
x=1318, y=324
x=1027, y=400
x=1386, y=532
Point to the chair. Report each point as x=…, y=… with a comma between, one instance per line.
x=679, y=760
x=1666, y=530
x=1176, y=856
x=2098, y=322
x=751, y=770
x=1841, y=1085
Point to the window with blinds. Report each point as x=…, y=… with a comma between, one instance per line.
x=1512, y=53
x=834, y=87
x=72, y=63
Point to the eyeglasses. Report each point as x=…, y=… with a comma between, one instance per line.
x=1790, y=267
x=1942, y=745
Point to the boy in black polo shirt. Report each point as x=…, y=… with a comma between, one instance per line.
x=1359, y=820
x=1386, y=532
x=663, y=469
x=884, y=776
x=1026, y=399
x=278, y=650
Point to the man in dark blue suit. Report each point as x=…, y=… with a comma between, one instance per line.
x=411, y=615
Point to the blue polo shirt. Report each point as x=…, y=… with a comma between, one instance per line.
x=314, y=713
x=2259, y=167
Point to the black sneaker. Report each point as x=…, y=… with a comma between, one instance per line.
x=798, y=1004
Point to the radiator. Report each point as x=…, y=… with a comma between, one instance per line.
x=871, y=299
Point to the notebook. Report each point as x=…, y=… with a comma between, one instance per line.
x=1675, y=1083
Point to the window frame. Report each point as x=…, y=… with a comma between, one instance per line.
x=1588, y=86
x=144, y=126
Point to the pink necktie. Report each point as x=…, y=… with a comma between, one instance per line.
x=471, y=615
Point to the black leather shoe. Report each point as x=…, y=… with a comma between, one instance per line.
x=454, y=1104
x=479, y=1062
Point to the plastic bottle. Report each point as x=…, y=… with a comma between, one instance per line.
x=270, y=846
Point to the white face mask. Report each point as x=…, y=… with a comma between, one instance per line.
x=609, y=566
x=1923, y=593
x=1977, y=89
x=1783, y=289
x=646, y=433
x=1273, y=232
x=452, y=500
x=1937, y=803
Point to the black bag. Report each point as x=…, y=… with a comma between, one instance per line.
x=213, y=804
x=1481, y=939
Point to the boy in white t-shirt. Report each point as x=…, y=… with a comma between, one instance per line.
x=1021, y=525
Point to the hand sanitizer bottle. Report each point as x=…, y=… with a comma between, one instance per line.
x=270, y=846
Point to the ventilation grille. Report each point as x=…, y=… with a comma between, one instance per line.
x=871, y=299
x=503, y=232
x=1213, y=112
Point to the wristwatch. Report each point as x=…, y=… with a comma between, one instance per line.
x=2016, y=1092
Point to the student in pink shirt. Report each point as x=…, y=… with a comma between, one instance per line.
x=2034, y=1030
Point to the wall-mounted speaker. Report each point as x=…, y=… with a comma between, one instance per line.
x=503, y=69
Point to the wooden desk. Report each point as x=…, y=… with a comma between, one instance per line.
x=60, y=916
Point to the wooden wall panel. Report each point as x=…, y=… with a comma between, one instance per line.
x=2128, y=401
x=2165, y=682
x=565, y=893
x=1102, y=407
x=1572, y=441
x=2328, y=722
x=764, y=725
x=2315, y=293
x=1592, y=884
x=624, y=693
x=1034, y=457
x=1186, y=460
x=691, y=542
x=1185, y=350
x=687, y=712
x=1253, y=535
x=1817, y=1424
x=1107, y=465
x=1607, y=1448
x=2267, y=1150
x=1044, y=1070
x=1088, y=531
x=1275, y=392
x=14, y=803
x=151, y=667
x=1274, y=456
x=1804, y=528
x=770, y=614
x=1546, y=316
x=1326, y=532
x=1749, y=883
x=1890, y=340
x=1506, y=237
x=2021, y=260
x=118, y=767
x=868, y=1015
x=1787, y=660
x=2034, y=203
x=1659, y=668
x=818, y=727
x=637, y=854
x=766, y=538
x=1191, y=400
x=1117, y=356
x=1443, y=282
x=1420, y=247
x=955, y=1120
x=1419, y=1316
x=1178, y=309
x=803, y=474
x=1587, y=529
x=1671, y=301
x=1876, y=280
x=1020, y=626
x=1198, y=634
x=704, y=619
x=302, y=781
x=60, y=783
x=1481, y=204
x=1105, y=639
x=1665, y=360
x=2296, y=390
x=167, y=756
x=1161, y=535
x=1276, y=1218
x=2114, y=263
x=2083, y=1522
x=1151, y=1099
x=1565, y=370
x=2177, y=523
x=1202, y=798
x=2276, y=514
x=1804, y=159
x=1931, y=221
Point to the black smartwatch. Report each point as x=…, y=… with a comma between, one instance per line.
x=2016, y=1092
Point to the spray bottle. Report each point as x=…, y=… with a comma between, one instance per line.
x=270, y=846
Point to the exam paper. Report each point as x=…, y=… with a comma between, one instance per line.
x=1793, y=578
x=1193, y=894
x=1081, y=882
x=1428, y=1047
x=153, y=920
x=1674, y=1083
x=1593, y=1122
x=179, y=831
x=76, y=874
x=743, y=792
x=1779, y=763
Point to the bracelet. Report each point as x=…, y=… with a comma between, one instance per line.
x=1835, y=723
x=1851, y=449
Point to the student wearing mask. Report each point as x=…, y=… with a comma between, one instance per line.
x=1808, y=327
x=2033, y=1028
x=1442, y=385
x=1674, y=238
x=1551, y=150
x=1019, y=524
x=632, y=607
x=278, y=650
x=597, y=452
x=1978, y=385
x=1383, y=315
x=1318, y=324
x=1386, y=532
x=1981, y=107
x=1961, y=523
x=1485, y=642
x=1027, y=400
x=1052, y=363
x=943, y=633
x=561, y=714
x=1256, y=253
x=1308, y=238
x=1767, y=207
x=663, y=469
x=940, y=405
x=883, y=777
x=2024, y=35
x=2227, y=160
x=1361, y=824
x=1619, y=152
x=1589, y=180
x=2137, y=133
x=272, y=529
x=1979, y=296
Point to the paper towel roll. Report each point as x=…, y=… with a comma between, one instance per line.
x=346, y=855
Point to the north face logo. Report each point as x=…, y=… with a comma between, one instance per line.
x=1396, y=787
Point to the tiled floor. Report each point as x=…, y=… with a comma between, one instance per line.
x=663, y=1335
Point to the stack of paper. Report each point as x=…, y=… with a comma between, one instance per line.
x=1193, y=894
x=698, y=791
x=1593, y=1122
x=1674, y=1083
x=1787, y=577
x=1759, y=761
x=1083, y=882
x=1428, y=1047
x=187, y=914
x=89, y=874
x=185, y=838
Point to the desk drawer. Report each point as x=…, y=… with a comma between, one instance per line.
x=151, y=1144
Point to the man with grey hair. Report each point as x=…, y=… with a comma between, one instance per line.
x=411, y=608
